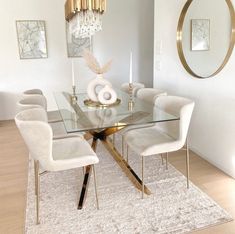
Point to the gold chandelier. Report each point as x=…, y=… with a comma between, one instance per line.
x=84, y=16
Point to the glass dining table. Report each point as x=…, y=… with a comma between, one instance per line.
x=99, y=123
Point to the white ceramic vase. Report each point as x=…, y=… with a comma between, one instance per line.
x=107, y=95
x=95, y=86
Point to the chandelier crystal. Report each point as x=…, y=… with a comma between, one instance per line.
x=84, y=17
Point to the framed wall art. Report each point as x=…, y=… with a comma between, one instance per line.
x=31, y=39
x=76, y=46
x=200, y=34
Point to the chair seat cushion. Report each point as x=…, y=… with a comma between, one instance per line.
x=72, y=152
x=133, y=127
x=150, y=141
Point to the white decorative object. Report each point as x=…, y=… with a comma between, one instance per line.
x=85, y=25
x=107, y=96
x=95, y=86
x=99, y=85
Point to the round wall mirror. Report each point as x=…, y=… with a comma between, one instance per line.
x=206, y=36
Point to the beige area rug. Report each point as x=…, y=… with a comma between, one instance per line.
x=171, y=208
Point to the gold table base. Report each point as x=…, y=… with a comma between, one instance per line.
x=130, y=173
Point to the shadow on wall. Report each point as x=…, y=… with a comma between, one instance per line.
x=8, y=105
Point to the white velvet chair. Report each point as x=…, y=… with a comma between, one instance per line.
x=125, y=88
x=33, y=92
x=31, y=102
x=163, y=137
x=148, y=95
x=52, y=155
x=36, y=101
x=136, y=87
x=53, y=116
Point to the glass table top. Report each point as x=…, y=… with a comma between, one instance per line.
x=79, y=117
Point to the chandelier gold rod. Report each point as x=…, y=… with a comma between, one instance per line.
x=72, y=7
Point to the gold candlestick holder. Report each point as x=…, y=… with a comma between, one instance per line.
x=130, y=102
x=73, y=96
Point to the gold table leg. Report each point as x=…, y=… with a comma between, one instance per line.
x=130, y=173
x=84, y=187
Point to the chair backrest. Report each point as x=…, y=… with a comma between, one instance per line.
x=150, y=94
x=180, y=107
x=37, y=134
x=30, y=102
x=136, y=87
x=33, y=92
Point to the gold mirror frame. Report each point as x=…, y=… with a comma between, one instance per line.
x=179, y=40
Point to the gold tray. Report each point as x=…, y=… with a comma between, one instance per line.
x=90, y=103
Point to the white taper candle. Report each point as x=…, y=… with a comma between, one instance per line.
x=131, y=69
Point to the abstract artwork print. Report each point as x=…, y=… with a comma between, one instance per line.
x=31, y=39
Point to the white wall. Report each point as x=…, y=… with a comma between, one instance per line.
x=212, y=133
x=127, y=25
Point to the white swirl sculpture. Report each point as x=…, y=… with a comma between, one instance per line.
x=107, y=96
x=99, y=89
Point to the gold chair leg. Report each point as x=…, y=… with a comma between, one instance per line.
x=166, y=161
x=142, y=177
x=95, y=184
x=127, y=154
x=85, y=185
x=37, y=183
x=35, y=177
x=187, y=163
x=162, y=159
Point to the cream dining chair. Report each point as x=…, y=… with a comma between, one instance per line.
x=148, y=95
x=163, y=137
x=53, y=116
x=33, y=92
x=125, y=88
x=35, y=101
x=52, y=155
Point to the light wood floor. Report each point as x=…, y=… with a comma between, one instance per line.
x=13, y=182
